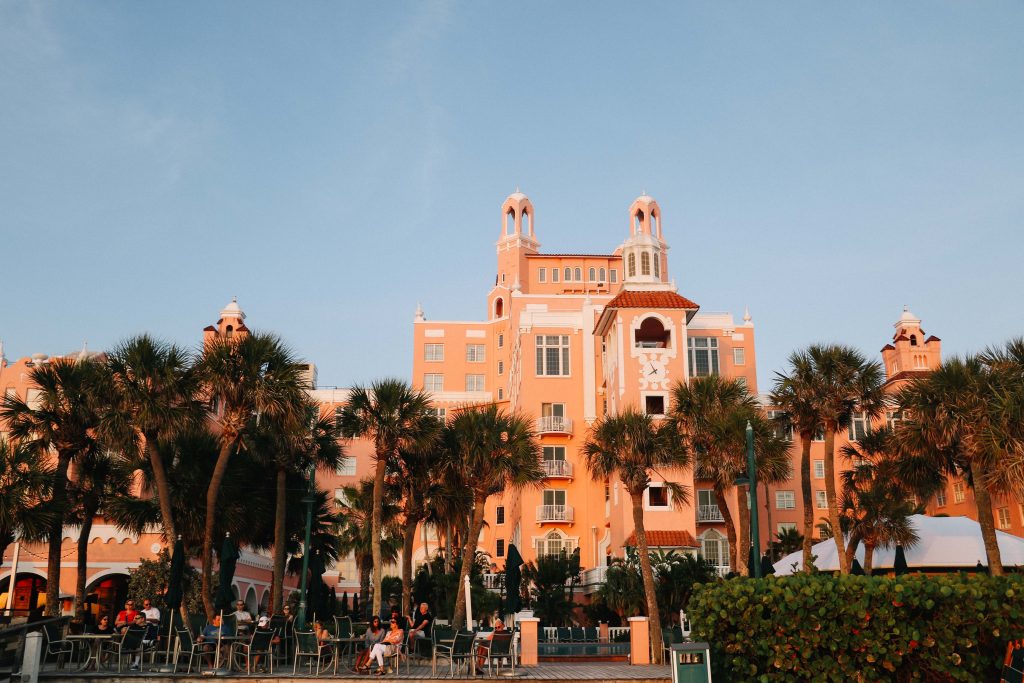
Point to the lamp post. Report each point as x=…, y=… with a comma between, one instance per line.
x=308, y=499
x=755, y=527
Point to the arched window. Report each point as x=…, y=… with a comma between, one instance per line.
x=568, y=274
x=645, y=263
x=578, y=275
x=510, y=222
x=552, y=544
x=229, y=332
x=913, y=340
x=715, y=548
x=601, y=275
x=657, y=265
x=638, y=221
x=632, y=264
x=654, y=223
x=499, y=308
x=592, y=274
x=652, y=335
x=525, y=222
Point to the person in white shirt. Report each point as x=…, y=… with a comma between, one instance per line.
x=152, y=613
x=243, y=620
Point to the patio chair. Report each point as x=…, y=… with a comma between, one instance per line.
x=342, y=627
x=196, y=622
x=308, y=647
x=461, y=651
x=590, y=634
x=56, y=644
x=577, y=634
x=129, y=645
x=564, y=634
x=282, y=629
x=259, y=645
x=194, y=650
x=401, y=652
x=670, y=637
x=442, y=638
x=499, y=648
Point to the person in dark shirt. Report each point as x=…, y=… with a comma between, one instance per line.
x=422, y=620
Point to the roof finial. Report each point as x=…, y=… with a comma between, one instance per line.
x=517, y=187
x=746, y=315
x=419, y=312
x=2, y=358
x=905, y=308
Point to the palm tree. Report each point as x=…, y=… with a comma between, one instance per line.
x=876, y=499
x=62, y=418
x=632, y=446
x=713, y=413
x=494, y=451
x=949, y=423
x=1005, y=368
x=354, y=533
x=795, y=395
x=787, y=541
x=846, y=382
x=418, y=488
x=25, y=481
x=244, y=376
x=395, y=417
x=156, y=391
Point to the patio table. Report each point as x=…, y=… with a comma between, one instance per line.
x=348, y=644
x=94, y=641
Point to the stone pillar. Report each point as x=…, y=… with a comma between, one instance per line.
x=603, y=633
x=639, y=641
x=528, y=628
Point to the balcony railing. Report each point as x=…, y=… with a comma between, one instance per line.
x=493, y=582
x=709, y=513
x=593, y=579
x=557, y=468
x=554, y=424
x=554, y=513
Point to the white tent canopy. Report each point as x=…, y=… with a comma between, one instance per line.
x=946, y=543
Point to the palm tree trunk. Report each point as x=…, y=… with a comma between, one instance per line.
x=376, y=522
x=277, y=584
x=767, y=516
x=653, y=616
x=805, y=495
x=869, y=557
x=365, y=569
x=83, y=560
x=163, y=491
x=983, y=503
x=730, y=525
x=833, y=501
x=56, y=535
x=211, y=511
x=468, y=557
x=851, y=549
x=411, y=522
x=743, y=552
x=448, y=548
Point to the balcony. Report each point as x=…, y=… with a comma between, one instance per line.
x=557, y=469
x=593, y=579
x=554, y=513
x=554, y=424
x=494, y=582
x=709, y=513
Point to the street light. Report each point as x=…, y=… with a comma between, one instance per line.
x=308, y=499
x=751, y=481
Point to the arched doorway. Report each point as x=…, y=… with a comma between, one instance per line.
x=105, y=595
x=29, y=594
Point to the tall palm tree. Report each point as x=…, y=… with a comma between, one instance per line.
x=420, y=490
x=494, y=451
x=62, y=419
x=244, y=376
x=712, y=413
x=795, y=395
x=156, y=391
x=25, y=481
x=847, y=382
x=354, y=532
x=395, y=417
x=948, y=420
x=1005, y=367
x=632, y=446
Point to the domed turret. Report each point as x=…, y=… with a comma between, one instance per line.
x=643, y=254
x=517, y=216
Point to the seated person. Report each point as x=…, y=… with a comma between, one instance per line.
x=152, y=613
x=396, y=615
x=103, y=627
x=148, y=638
x=387, y=647
x=374, y=634
x=422, y=620
x=481, y=650
x=125, y=616
x=243, y=620
x=263, y=624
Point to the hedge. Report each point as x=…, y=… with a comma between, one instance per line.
x=951, y=627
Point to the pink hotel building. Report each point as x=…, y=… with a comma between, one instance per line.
x=567, y=338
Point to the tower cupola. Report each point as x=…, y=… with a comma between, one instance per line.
x=517, y=217
x=910, y=351
x=643, y=253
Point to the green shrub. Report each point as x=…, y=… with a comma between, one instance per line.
x=951, y=627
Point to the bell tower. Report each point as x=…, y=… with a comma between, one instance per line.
x=643, y=254
x=910, y=351
x=516, y=241
x=231, y=323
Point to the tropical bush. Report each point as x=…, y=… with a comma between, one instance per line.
x=552, y=581
x=149, y=581
x=855, y=628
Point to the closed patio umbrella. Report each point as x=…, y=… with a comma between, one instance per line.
x=228, y=558
x=856, y=569
x=175, y=590
x=899, y=563
x=513, y=579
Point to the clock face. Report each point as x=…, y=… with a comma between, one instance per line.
x=653, y=373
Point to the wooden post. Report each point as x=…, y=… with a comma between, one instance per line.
x=639, y=641
x=603, y=632
x=528, y=628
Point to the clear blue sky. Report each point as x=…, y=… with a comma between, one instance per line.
x=331, y=164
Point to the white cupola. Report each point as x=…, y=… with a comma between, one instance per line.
x=643, y=253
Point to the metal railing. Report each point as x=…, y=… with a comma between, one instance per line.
x=557, y=468
x=709, y=513
x=493, y=582
x=594, y=578
x=554, y=424
x=554, y=513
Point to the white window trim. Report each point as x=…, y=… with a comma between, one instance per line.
x=426, y=357
x=433, y=375
x=819, y=498
x=647, y=498
x=790, y=500
x=665, y=402
x=568, y=345
x=814, y=466
x=482, y=358
x=742, y=357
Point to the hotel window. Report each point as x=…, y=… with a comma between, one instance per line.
x=715, y=549
x=785, y=500
x=631, y=261
x=501, y=367
x=542, y=275
x=940, y=498
x=347, y=468
x=601, y=275
x=819, y=469
x=892, y=417
x=499, y=515
x=657, y=266
x=613, y=276
x=554, y=498
x=440, y=413
x=819, y=434
x=783, y=429
x=592, y=274
x=860, y=425
x=433, y=382
x=552, y=453
x=823, y=534
x=783, y=527
x=554, y=544
x=474, y=382
x=501, y=394
x=552, y=355
x=820, y=500
x=475, y=353
x=657, y=496
x=554, y=274
x=703, y=352
x=501, y=341
x=433, y=352
x=567, y=272
x=654, y=405
x=645, y=263
x=739, y=356
x=340, y=499
x=578, y=274
x=1003, y=515
x=499, y=548
x=958, y=492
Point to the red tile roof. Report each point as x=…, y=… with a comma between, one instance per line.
x=931, y=339
x=657, y=538
x=634, y=299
